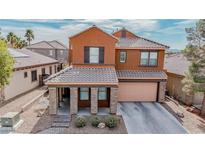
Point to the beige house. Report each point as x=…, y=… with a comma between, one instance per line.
x=177, y=65
x=29, y=69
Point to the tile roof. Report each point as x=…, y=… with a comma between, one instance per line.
x=47, y=45
x=139, y=42
x=72, y=75
x=26, y=58
x=93, y=26
x=135, y=74
x=57, y=45
x=176, y=63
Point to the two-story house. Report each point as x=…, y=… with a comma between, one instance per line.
x=53, y=49
x=106, y=69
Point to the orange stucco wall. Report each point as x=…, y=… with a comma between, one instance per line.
x=92, y=37
x=128, y=34
x=133, y=60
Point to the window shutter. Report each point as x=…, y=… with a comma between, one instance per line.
x=86, y=55
x=101, y=55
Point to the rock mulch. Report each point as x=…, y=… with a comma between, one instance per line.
x=88, y=129
x=188, y=117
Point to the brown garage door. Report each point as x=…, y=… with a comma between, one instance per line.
x=137, y=91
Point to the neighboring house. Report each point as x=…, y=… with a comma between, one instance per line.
x=106, y=69
x=52, y=49
x=176, y=66
x=28, y=70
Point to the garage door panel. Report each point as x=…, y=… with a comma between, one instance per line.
x=137, y=91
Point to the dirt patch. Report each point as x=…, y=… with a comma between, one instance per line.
x=43, y=123
x=191, y=121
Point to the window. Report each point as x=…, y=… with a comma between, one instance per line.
x=25, y=74
x=43, y=71
x=123, y=56
x=84, y=93
x=153, y=59
x=94, y=55
x=148, y=58
x=33, y=75
x=102, y=93
x=61, y=52
x=50, y=52
x=50, y=70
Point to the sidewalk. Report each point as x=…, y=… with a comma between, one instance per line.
x=15, y=105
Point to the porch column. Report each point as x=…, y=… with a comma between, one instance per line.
x=161, y=94
x=94, y=100
x=73, y=100
x=53, y=103
x=60, y=94
x=113, y=100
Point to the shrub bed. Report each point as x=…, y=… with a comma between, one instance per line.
x=111, y=121
x=95, y=120
x=80, y=122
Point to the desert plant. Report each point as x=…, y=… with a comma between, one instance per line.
x=111, y=121
x=95, y=120
x=80, y=122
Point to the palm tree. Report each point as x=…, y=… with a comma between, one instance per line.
x=29, y=36
x=11, y=38
x=20, y=43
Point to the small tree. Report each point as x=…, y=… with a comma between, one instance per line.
x=29, y=36
x=6, y=64
x=194, y=80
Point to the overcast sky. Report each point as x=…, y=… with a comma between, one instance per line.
x=169, y=32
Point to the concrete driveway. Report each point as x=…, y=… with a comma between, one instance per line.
x=149, y=118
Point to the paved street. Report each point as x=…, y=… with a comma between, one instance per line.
x=149, y=118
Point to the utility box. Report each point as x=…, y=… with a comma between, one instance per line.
x=10, y=119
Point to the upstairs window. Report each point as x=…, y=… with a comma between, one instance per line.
x=51, y=52
x=123, y=56
x=93, y=55
x=148, y=58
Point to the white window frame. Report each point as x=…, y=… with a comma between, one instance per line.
x=61, y=52
x=149, y=58
x=123, y=56
x=94, y=53
x=51, y=52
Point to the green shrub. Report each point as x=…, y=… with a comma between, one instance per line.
x=111, y=121
x=95, y=120
x=80, y=122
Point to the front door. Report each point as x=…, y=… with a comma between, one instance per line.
x=84, y=99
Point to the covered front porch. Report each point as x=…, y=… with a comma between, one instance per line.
x=83, y=100
x=83, y=88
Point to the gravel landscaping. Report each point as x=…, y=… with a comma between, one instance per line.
x=191, y=119
x=44, y=127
